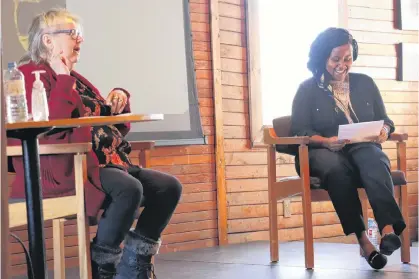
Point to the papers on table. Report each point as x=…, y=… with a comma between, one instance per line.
x=360, y=132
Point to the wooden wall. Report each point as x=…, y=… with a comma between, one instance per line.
x=371, y=23
x=194, y=224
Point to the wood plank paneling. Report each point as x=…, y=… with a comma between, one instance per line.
x=376, y=26
x=383, y=38
x=194, y=223
x=371, y=14
x=233, y=52
x=376, y=49
x=372, y=25
x=235, y=92
x=217, y=10
x=376, y=4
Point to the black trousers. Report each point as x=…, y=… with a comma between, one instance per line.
x=358, y=165
x=125, y=192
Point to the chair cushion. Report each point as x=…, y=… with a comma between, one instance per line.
x=398, y=178
x=291, y=149
x=282, y=127
x=314, y=181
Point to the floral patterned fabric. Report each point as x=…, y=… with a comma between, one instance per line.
x=108, y=143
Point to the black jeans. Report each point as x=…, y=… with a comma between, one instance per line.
x=125, y=193
x=358, y=165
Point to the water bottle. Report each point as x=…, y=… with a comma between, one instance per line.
x=15, y=94
x=373, y=233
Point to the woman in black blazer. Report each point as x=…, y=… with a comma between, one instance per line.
x=333, y=97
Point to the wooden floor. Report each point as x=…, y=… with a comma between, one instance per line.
x=251, y=261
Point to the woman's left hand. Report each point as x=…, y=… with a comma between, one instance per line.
x=383, y=134
x=117, y=99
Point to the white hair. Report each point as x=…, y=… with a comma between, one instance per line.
x=37, y=51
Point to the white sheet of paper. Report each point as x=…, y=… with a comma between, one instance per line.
x=360, y=132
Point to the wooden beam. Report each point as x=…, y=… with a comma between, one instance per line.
x=343, y=13
x=4, y=194
x=254, y=72
x=218, y=113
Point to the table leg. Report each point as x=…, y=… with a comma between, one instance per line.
x=34, y=207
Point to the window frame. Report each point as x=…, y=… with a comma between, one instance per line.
x=254, y=68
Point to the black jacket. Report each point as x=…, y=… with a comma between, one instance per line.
x=314, y=111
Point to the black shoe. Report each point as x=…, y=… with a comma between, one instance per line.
x=376, y=260
x=390, y=243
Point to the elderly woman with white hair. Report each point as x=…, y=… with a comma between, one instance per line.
x=114, y=182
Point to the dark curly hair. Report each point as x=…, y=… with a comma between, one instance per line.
x=323, y=45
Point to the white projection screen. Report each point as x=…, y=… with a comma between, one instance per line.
x=142, y=46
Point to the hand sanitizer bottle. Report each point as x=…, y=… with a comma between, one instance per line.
x=40, y=110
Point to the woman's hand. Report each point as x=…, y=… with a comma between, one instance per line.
x=334, y=144
x=117, y=99
x=59, y=64
x=383, y=134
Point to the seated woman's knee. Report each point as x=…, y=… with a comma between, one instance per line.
x=132, y=189
x=174, y=188
x=338, y=171
x=372, y=160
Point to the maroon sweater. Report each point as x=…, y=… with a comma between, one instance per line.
x=57, y=171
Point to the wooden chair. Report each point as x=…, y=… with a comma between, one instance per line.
x=59, y=210
x=279, y=139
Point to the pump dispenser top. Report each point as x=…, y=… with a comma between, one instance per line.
x=40, y=110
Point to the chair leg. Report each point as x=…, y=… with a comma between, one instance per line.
x=58, y=240
x=273, y=204
x=82, y=221
x=405, y=237
x=273, y=230
x=364, y=204
x=84, y=248
x=307, y=212
x=308, y=234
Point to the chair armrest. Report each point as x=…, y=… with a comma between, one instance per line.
x=398, y=137
x=269, y=137
x=142, y=145
x=53, y=149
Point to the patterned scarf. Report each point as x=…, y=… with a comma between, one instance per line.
x=341, y=94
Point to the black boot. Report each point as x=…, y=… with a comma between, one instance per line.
x=104, y=261
x=136, y=257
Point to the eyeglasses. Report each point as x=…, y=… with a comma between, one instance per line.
x=74, y=33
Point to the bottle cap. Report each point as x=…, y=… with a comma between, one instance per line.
x=11, y=65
